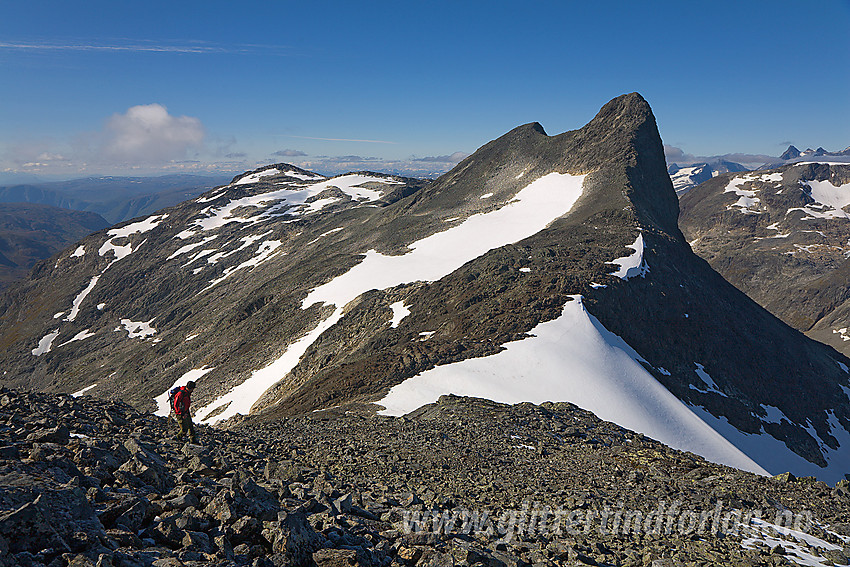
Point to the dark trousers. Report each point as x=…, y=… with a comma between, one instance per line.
x=186, y=427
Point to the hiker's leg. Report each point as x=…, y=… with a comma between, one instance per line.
x=184, y=429
x=191, y=429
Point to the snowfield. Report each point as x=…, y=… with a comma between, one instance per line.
x=293, y=202
x=438, y=255
x=574, y=358
x=828, y=195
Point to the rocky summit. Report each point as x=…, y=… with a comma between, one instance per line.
x=88, y=483
x=541, y=268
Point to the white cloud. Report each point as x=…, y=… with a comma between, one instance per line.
x=47, y=156
x=148, y=134
x=289, y=153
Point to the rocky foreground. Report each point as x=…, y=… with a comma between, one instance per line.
x=462, y=482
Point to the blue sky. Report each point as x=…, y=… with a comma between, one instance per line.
x=148, y=87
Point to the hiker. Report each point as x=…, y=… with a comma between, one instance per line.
x=182, y=399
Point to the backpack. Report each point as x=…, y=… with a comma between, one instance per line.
x=171, y=394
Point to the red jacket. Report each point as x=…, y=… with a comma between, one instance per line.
x=182, y=401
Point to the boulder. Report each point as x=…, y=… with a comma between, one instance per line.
x=29, y=530
x=335, y=557
x=59, y=435
x=293, y=537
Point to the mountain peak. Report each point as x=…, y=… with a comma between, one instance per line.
x=623, y=107
x=790, y=153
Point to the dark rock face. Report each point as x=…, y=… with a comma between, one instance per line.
x=338, y=488
x=215, y=286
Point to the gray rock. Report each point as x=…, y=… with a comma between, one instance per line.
x=335, y=557
x=184, y=501
x=292, y=536
x=10, y=452
x=197, y=541
x=28, y=529
x=59, y=435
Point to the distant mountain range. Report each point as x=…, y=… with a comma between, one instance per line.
x=114, y=198
x=686, y=177
x=539, y=268
x=33, y=232
x=793, y=153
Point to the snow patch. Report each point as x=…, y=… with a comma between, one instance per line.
x=814, y=214
x=303, y=176
x=240, y=399
x=75, y=307
x=137, y=329
x=708, y=380
x=774, y=415
x=399, y=313
x=212, y=197
x=120, y=252
x=255, y=177
x=775, y=456
x=770, y=536
x=842, y=332
x=265, y=251
x=825, y=193
x=141, y=226
x=79, y=393
x=682, y=178
x=291, y=201
x=748, y=200
x=81, y=336
x=45, y=343
x=189, y=247
x=79, y=252
x=486, y=196
x=632, y=265
x=324, y=234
